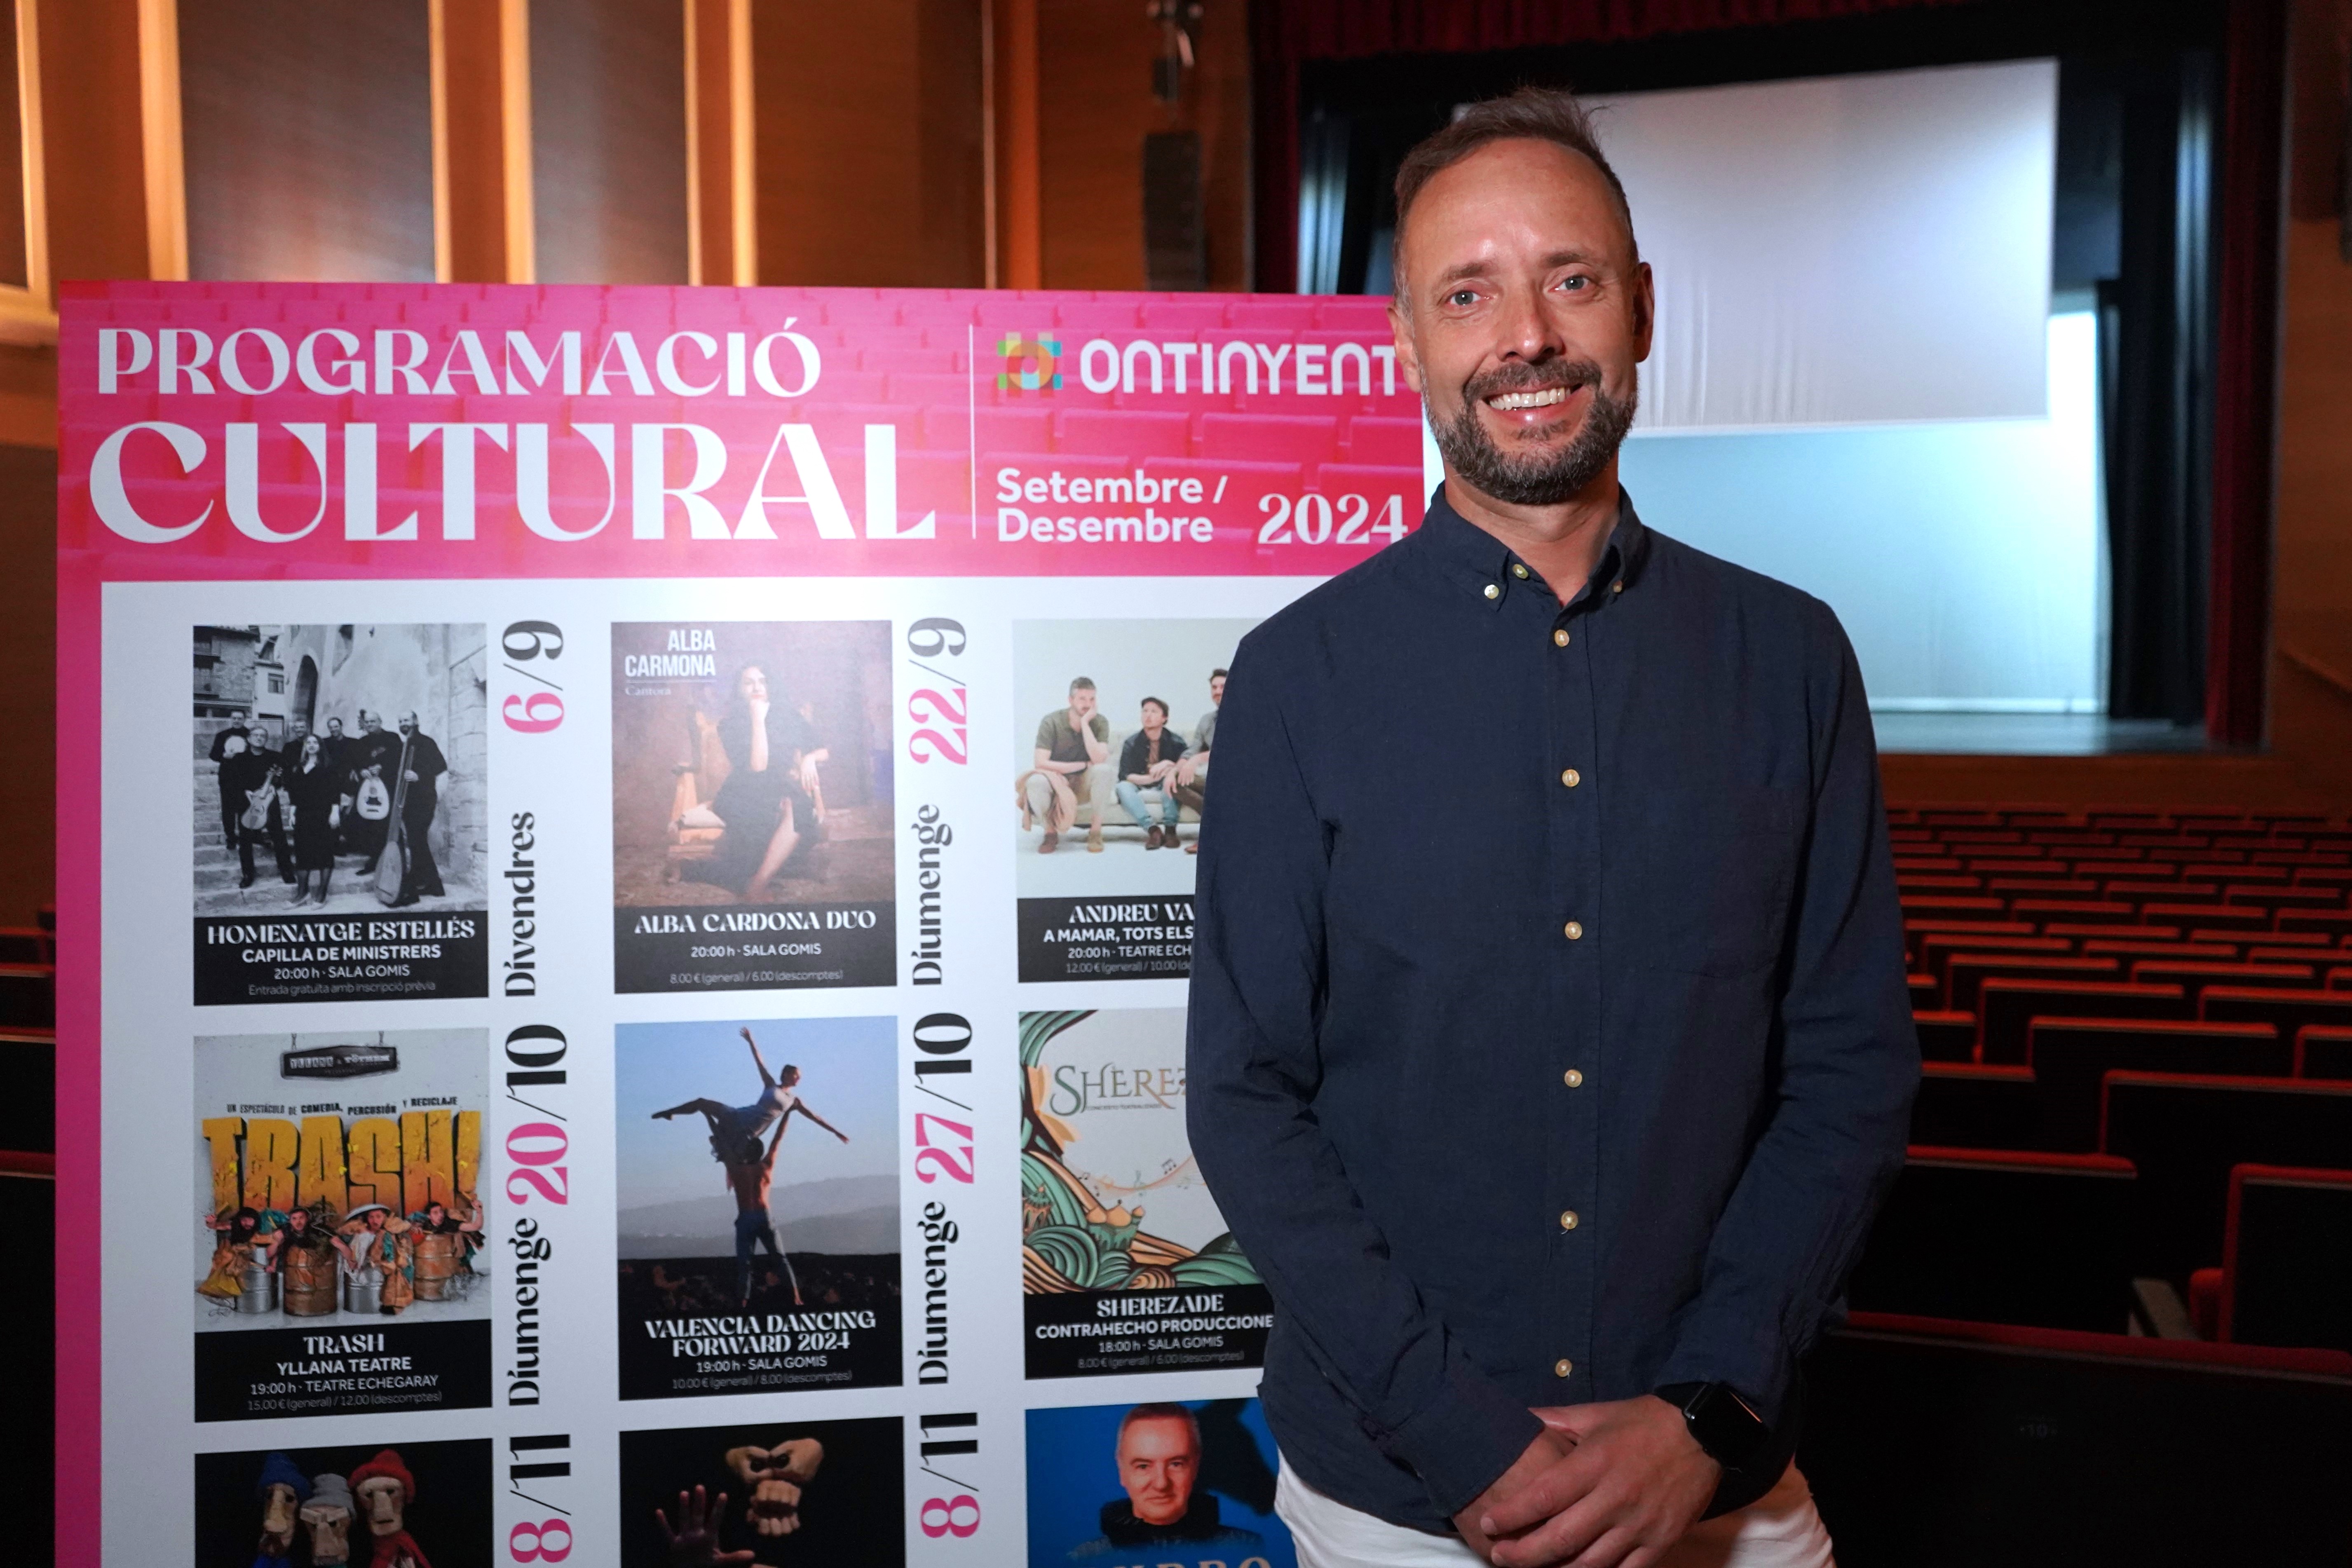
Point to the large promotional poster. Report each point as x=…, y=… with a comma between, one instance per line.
x=672, y=992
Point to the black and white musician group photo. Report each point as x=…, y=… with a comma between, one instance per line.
x=339, y=767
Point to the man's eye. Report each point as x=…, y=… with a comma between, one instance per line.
x=1576, y=282
x=1462, y=297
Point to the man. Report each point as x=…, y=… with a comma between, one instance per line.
x=335, y=756
x=1147, y=765
x=425, y=766
x=750, y=1176
x=371, y=1238
x=373, y=753
x=1158, y=1458
x=1192, y=768
x=1553, y=1090
x=247, y=766
x=1070, y=741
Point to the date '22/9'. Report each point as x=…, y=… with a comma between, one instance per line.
x=943, y=729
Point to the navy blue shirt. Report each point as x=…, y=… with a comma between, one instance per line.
x=1559, y=1048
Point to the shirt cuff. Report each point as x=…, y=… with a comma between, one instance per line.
x=1463, y=1440
x=1729, y=1346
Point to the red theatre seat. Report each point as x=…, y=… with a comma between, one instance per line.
x=2321, y=1051
x=28, y=996
x=2290, y=1010
x=28, y=1066
x=2004, y=1237
x=2184, y=1133
x=1304, y=438
x=1946, y=1445
x=1962, y=1105
x=2008, y=1009
x=2072, y=1058
x=1946, y=1036
x=1129, y=435
x=2286, y=1259
x=1966, y=972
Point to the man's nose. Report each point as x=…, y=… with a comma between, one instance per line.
x=1525, y=330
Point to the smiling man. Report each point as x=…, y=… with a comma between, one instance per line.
x=1552, y=1090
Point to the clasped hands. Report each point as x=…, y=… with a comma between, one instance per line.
x=1603, y=1486
x=776, y=1477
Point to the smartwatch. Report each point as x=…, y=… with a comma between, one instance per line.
x=1721, y=1422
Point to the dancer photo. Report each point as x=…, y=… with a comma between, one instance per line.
x=792, y=1244
x=752, y=804
x=339, y=1176
x=1111, y=786
x=735, y=1143
x=342, y=770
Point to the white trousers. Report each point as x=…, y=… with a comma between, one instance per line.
x=1778, y=1530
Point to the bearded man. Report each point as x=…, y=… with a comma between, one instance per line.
x=1552, y=1090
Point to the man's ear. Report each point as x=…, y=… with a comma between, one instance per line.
x=1645, y=311
x=1400, y=330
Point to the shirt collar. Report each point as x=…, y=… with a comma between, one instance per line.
x=1469, y=559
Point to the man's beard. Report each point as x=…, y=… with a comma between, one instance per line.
x=1547, y=477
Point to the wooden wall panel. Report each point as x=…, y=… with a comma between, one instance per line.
x=868, y=142
x=93, y=145
x=1095, y=65
x=608, y=140
x=307, y=139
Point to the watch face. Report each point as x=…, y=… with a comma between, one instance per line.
x=1725, y=1427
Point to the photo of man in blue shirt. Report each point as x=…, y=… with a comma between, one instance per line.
x=1552, y=1090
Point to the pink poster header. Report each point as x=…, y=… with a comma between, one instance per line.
x=260, y=430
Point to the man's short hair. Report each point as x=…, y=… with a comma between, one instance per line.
x=1162, y=1412
x=1532, y=113
x=1216, y=675
x=1155, y=702
x=1082, y=684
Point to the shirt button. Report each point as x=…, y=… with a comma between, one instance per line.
x=1574, y=930
x=1568, y=1219
x=1559, y=638
x=1493, y=592
x=1570, y=777
x=1562, y=1367
x=1573, y=1078
x=1519, y=571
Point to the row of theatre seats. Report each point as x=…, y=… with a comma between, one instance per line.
x=2106, y=1314
x=28, y=1051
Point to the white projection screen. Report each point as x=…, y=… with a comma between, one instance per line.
x=1843, y=250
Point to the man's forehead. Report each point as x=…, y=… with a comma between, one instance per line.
x=1162, y=1427
x=1519, y=188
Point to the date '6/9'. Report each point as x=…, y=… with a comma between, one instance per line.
x=532, y=712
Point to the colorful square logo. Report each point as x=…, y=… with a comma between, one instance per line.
x=1032, y=364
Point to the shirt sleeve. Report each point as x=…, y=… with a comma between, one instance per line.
x=1253, y=1066
x=1849, y=1067
x=1046, y=735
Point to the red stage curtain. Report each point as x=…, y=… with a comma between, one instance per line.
x=2245, y=373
